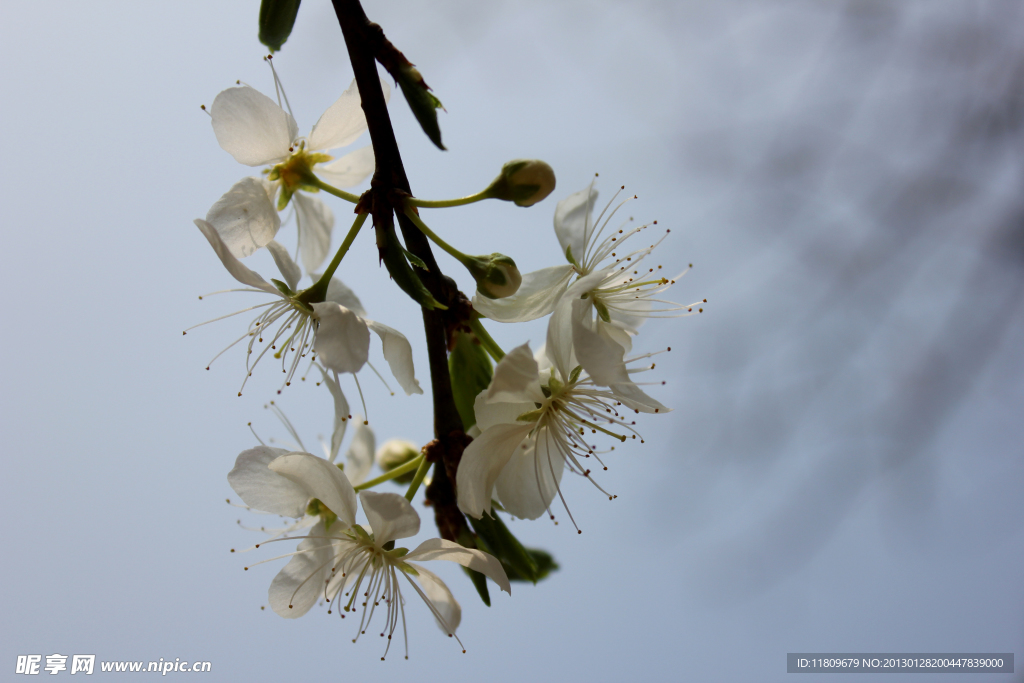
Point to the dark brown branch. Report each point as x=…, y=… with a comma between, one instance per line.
x=387, y=189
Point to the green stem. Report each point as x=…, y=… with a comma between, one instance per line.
x=486, y=340
x=417, y=479
x=414, y=217
x=318, y=291
x=397, y=472
x=445, y=203
x=330, y=189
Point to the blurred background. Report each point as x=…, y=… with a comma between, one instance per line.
x=842, y=471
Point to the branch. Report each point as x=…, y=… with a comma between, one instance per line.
x=388, y=190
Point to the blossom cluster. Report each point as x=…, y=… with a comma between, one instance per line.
x=528, y=420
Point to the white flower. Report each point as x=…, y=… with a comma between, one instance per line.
x=617, y=293
x=363, y=566
x=256, y=131
x=334, y=328
x=533, y=418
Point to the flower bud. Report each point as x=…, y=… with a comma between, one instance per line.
x=395, y=453
x=496, y=275
x=523, y=181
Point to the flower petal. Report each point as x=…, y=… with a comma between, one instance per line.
x=341, y=412
x=600, y=355
x=349, y=170
x=315, y=222
x=489, y=414
x=529, y=482
x=515, y=377
x=559, y=339
x=251, y=127
x=339, y=293
x=232, y=264
x=342, y=340
x=482, y=462
x=634, y=397
x=390, y=515
x=536, y=297
x=573, y=222
x=343, y=121
x=290, y=270
x=244, y=217
x=359, y=459
x=398, y=354
x=261, y=488
x=301, y=582
x=446, y=609
x=477, y=560
x=321, y=480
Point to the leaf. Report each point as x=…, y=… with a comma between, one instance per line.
x=501, y=543
x=423, y=103
x=471, y=370
x=480, y=583
x=277, y=17
x=415, y=260
x=479, y=580
x=392, y=253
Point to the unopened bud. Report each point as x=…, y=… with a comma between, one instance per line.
x=395, y=453
x=523, y=181
x=496, y=275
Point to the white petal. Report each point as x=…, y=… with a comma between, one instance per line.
x=536, y=297
x=489, y=414
x=232, y=264
x=573, y=221
x=349, y=170
x=341, y=124
x=600, y=356
x=398, y=354
x=301, y=582
x=261, y=488
x=341, y=294
x=359, y=459
x=321, y=480
x=616, y=334
x=315, y=222
x=341, y=412
x=244, y=217
x=529, y=482
x=559, y=340
x=342, y=339
x=290, y=270
x=447, y=612
x=251, y=127
x=633, y=397
x=477, y=560
x=515, y=377
x=390, y=515
x=482, y=462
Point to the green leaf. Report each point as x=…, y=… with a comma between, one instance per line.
x=392, y=253
x=544, y=561
x=471, y=370
x=422, y=102
x=480, y=583
x=568, y=256
x=575, y=374
x=415, y=260
x=277, y=17
x=501, y=543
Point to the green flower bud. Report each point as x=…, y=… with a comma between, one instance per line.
x=397, y=452
x=496, y=275
x=523, y=181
